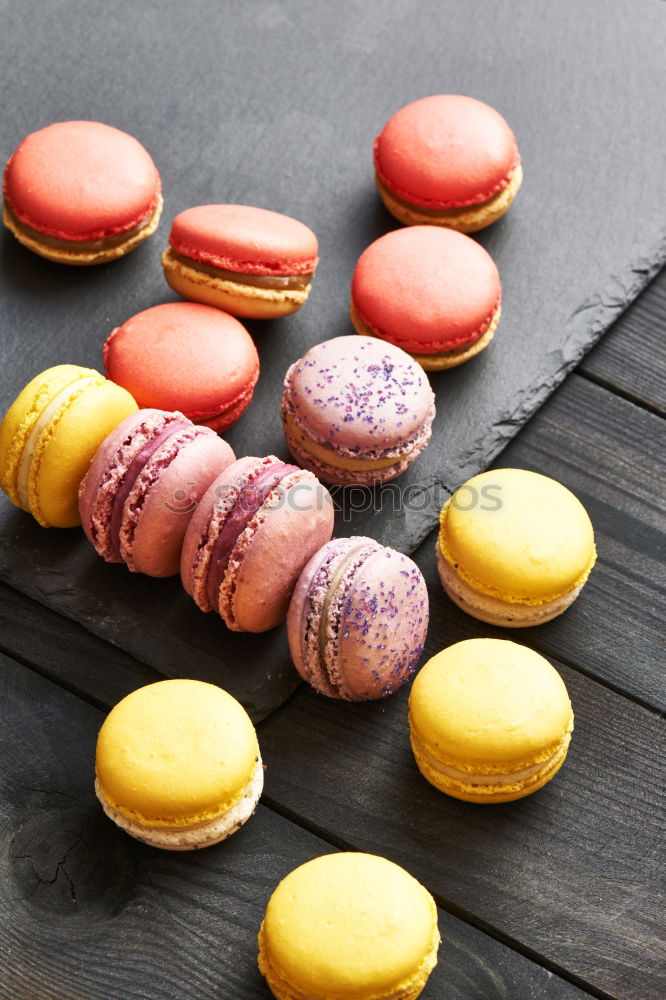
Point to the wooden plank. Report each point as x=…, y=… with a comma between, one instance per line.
x=631, y=358
x=571, y=873
x=64, y=651
x=87, y=913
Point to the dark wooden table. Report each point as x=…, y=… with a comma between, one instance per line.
x=557, y=896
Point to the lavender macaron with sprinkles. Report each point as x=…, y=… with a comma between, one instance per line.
x=358, y=619
x=356, y=410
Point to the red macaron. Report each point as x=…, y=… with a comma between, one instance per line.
x=433, y=292
x=188, y=357
x=81, y=192
x=254, y=530
x=249, y=261
x=447, y=160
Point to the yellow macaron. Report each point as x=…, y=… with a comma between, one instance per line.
x=348, y=927
x=490, y=720
x=49, y=436
x=178, y=765
x=514, y=547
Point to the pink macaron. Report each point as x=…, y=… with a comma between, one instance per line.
x=188, y=357
x=358, y=619
x=356, y=410
x=249, y=261
x=145, y=480
x=447, y=160
x=433, y=292
x=255, y=528
x=81, y=192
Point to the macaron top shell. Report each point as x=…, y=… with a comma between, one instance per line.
x=81, y=180
x=245, y=239
x=349, y=925
x=360, y=395
x=446, y=151
x=182, y=356
x=518, y=536
x=426, y=289
x=176, y=752
x=490, y=702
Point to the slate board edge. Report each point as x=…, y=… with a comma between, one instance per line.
x=585, y=327
x=596, y=315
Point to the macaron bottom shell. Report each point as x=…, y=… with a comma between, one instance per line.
x=444, y=359
x=486, y=788
x=196, y=835
x=464, y=219
x=310, y=455
x=82, y=253
x=235, y=297
x=494, y=611
x=283, y=989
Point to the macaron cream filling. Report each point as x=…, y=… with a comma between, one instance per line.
x=322, y=630
x=492, y=777
x=503, y=190
x=84, y=244
x=228, y=809
x=328, y=456
x=280, y=282
x=448, y=345
x=249, y=499
x=46, y=420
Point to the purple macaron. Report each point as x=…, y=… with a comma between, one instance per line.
x=356, y=410
x=142, y=486
x=358, y=619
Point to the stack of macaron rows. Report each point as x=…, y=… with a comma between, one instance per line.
x=136, y=458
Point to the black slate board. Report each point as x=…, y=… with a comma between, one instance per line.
x=276, y=104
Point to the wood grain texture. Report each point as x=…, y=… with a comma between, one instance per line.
x=571, y=873
x=87, y=913
x=62, y=650
x=631, y=358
